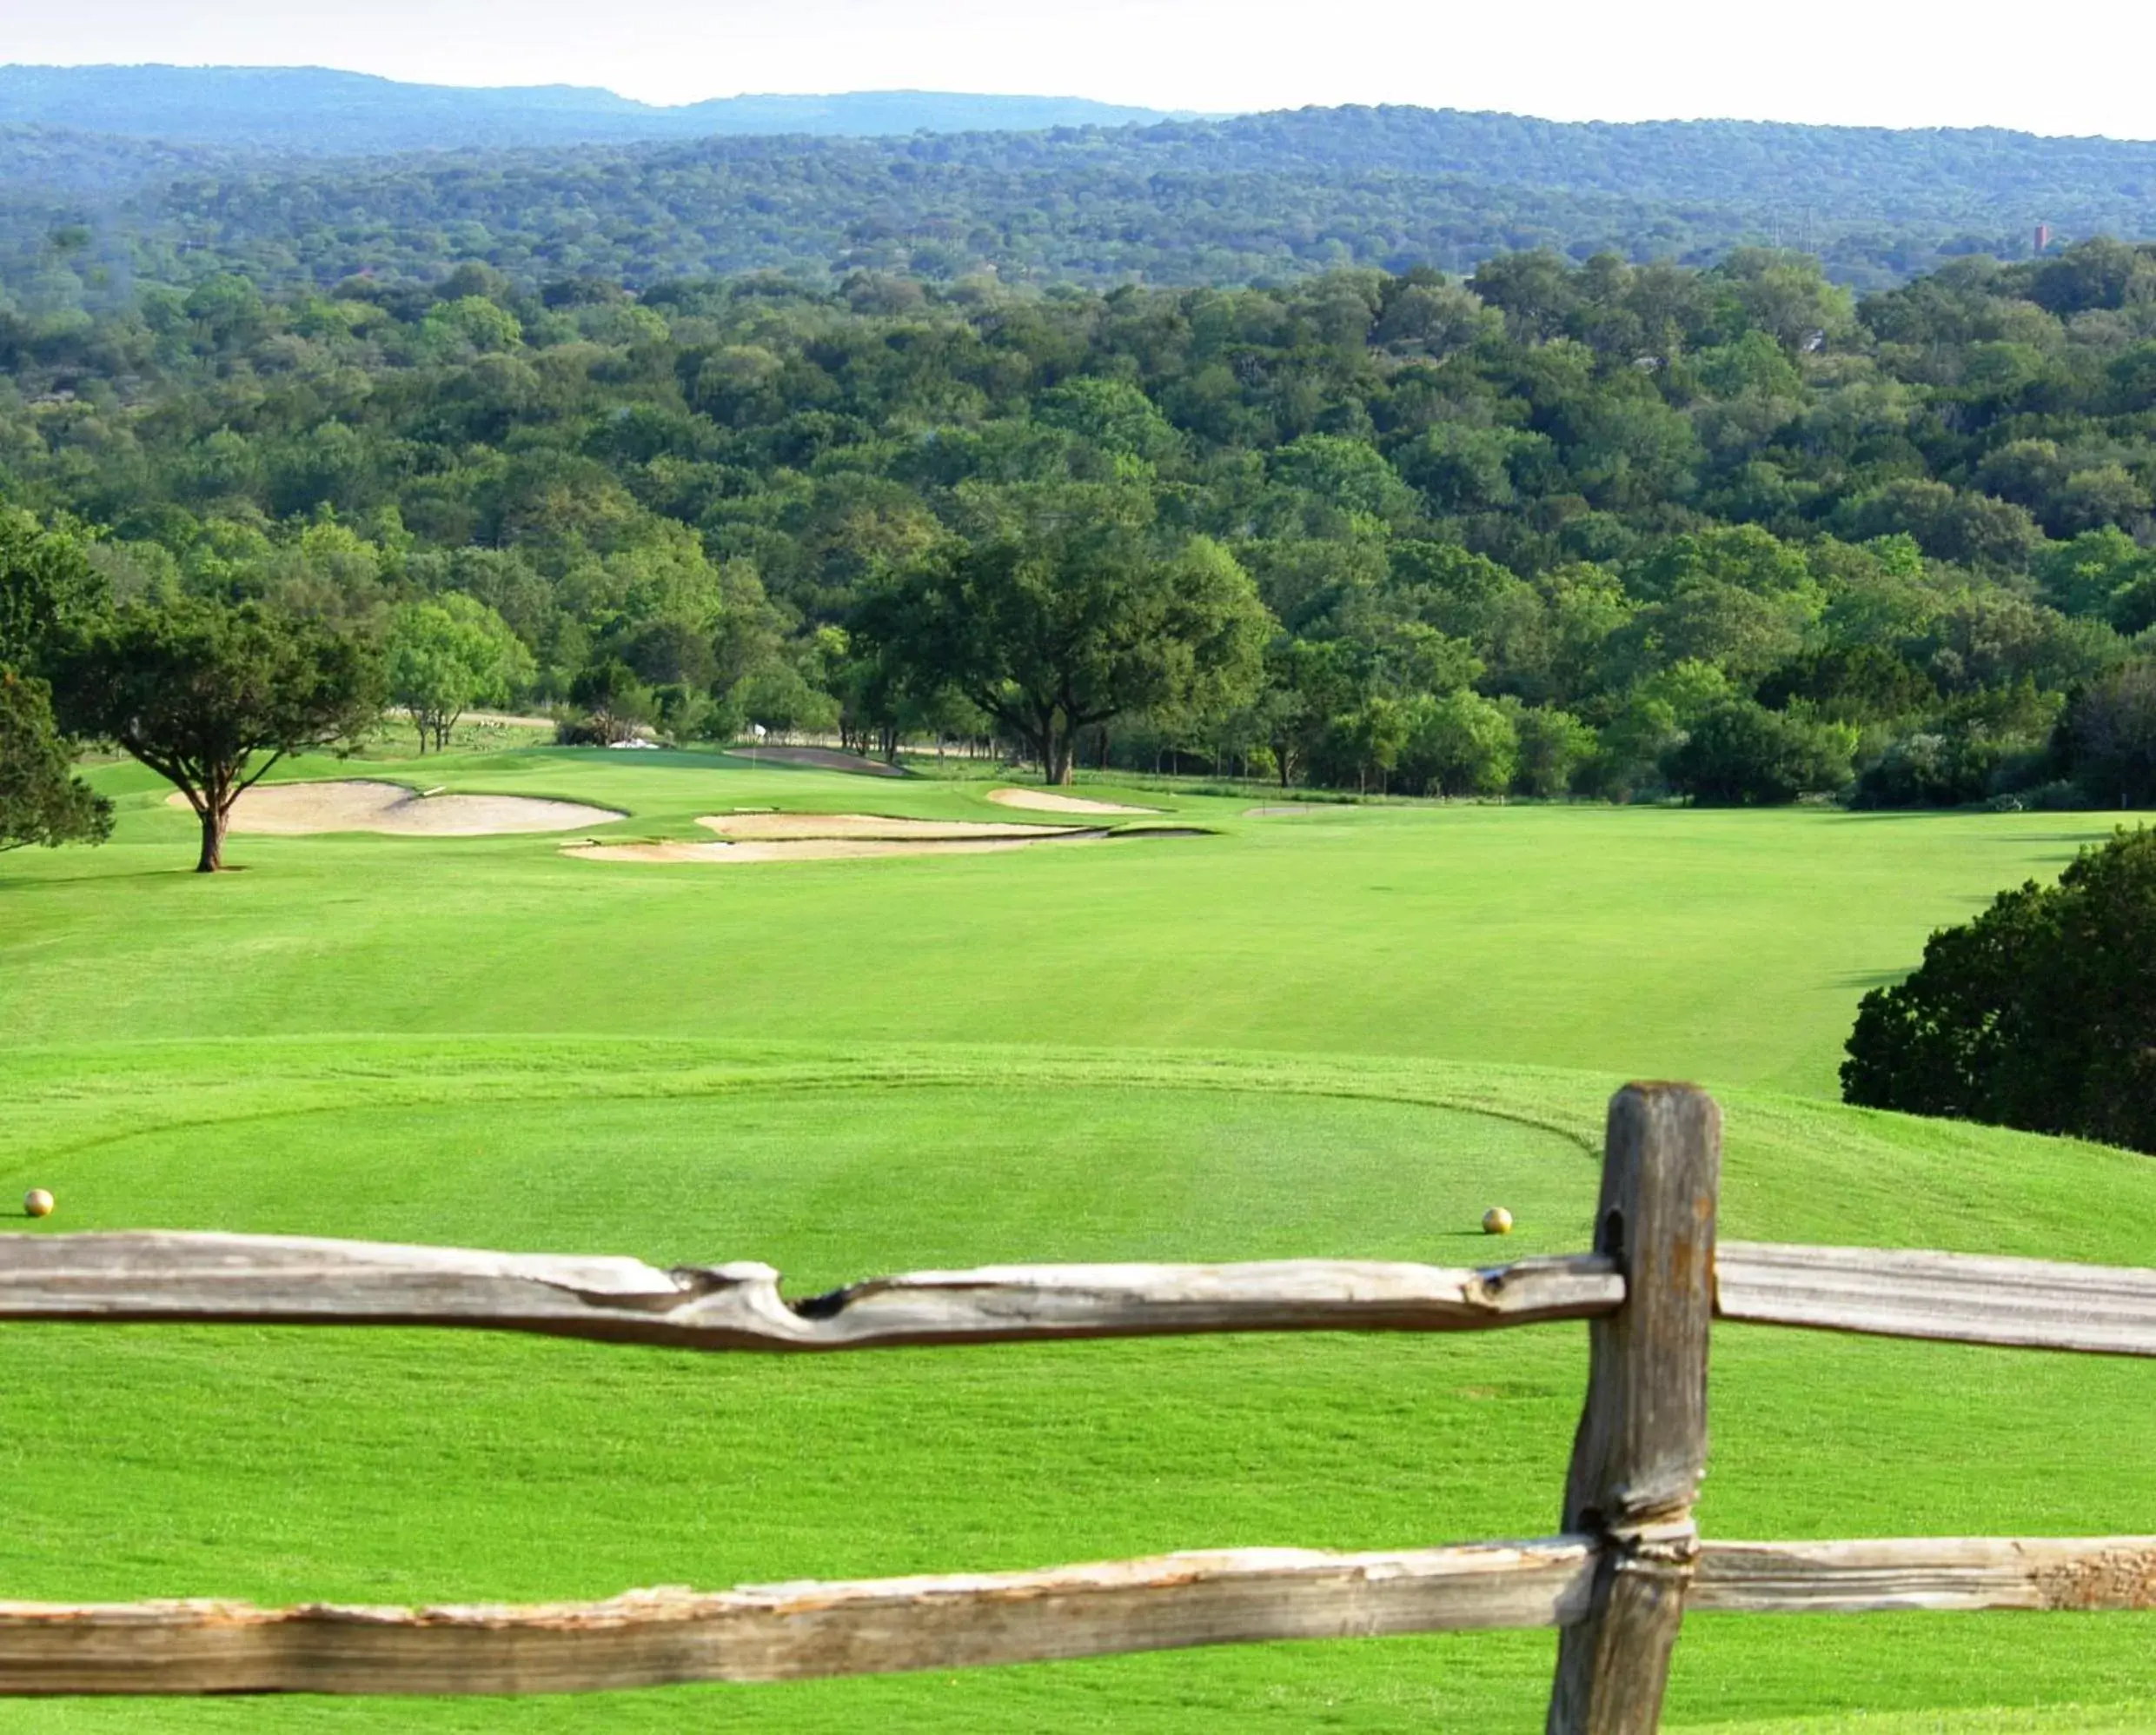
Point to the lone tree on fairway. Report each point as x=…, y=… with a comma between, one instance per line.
x=196, y=690
x=2040, y=1013
x=40, y=799
x=1065, y=610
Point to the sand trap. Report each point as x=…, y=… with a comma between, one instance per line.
x=820, y=848
x=1043, y=801
x=777, y=828
x=301, y=809
x=818, y=759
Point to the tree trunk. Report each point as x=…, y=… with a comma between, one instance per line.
x=214, y=819
x=1056, y=745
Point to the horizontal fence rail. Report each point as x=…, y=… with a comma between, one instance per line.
x=1960, y=1298
x=1616, y=1584
x=278, y=1281
x=891, y=1625
x=270, y=1280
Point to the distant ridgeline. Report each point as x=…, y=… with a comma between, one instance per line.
x=110, y=176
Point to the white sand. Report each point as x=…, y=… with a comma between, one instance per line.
x=301, y=809
x=777, y=828
x=1044, y=801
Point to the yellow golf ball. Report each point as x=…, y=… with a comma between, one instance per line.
x=37, y=1203
x=1496, y=1222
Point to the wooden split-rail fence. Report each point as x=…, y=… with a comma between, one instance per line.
x=1615, y=1582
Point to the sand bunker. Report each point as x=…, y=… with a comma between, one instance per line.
x=818, y=759
x=1043, y=801
x=819, y=848
x=777, y=828
x=838, y=837
x=300, y=809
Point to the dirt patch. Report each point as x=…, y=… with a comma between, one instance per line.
x=777, y=828
x=818, y=759
x=301, y=809
x=1045, y=801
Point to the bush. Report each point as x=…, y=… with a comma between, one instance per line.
x=2108, y=740
x=2037, y=1015
x=1742, y=755
x=1458, y=744
x=1930, y=768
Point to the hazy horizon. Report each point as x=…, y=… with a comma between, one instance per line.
x=1906, y=65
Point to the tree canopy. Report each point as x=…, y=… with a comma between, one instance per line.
x=41, y=800
x=2036, y=1014
x=211, y=697
x=1566, y=515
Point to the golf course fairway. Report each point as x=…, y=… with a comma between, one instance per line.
x=1337, y=1031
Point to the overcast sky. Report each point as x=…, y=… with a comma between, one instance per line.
x=2088, y=68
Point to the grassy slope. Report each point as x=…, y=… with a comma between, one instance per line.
x=1731, y=946
x=400, y=1466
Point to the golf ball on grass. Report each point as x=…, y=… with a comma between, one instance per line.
x=37, y=1203
x=1496, y=1222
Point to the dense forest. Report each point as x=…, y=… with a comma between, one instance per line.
x=320, y=111
x=1597, y=528
x=86, y=215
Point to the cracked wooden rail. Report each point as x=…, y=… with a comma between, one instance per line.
x=279, y=1280
x=876, y=1626
x=276, y=1280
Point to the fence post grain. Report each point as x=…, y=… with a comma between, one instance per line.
x=1641, y=1444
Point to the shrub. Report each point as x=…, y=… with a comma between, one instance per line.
x=2108, y=740
x=2037, y=1015
x=1742, y=755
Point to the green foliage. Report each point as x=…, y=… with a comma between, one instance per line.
x=41, y=800
x=2108, y=738
x=1553, y=484
x=1065, y=612
x=2036, y=1014
x=443, y=657
x=614, y=704
x=1459, y=743
x=1257, y=197
x=46, y=589
x=196, y=689
x=1742, y=755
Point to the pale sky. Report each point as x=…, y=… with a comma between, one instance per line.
x=2087, y=68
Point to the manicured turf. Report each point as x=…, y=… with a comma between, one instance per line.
x=1732, y=946
x=1213, y=1047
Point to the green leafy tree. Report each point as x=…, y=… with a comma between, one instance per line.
x=447, y=655
x=1459, y=743
x=1553, y=747
x=211, y=697
x=1068, y=613
x=1742, y=755
x=2036, y=1014
x=40, y=799
x=47, y=586
x=614, y=704
x=2109, y=737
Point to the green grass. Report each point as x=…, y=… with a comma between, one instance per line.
x=1341, y=1033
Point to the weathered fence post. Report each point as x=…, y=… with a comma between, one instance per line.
x=1641, y=1444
